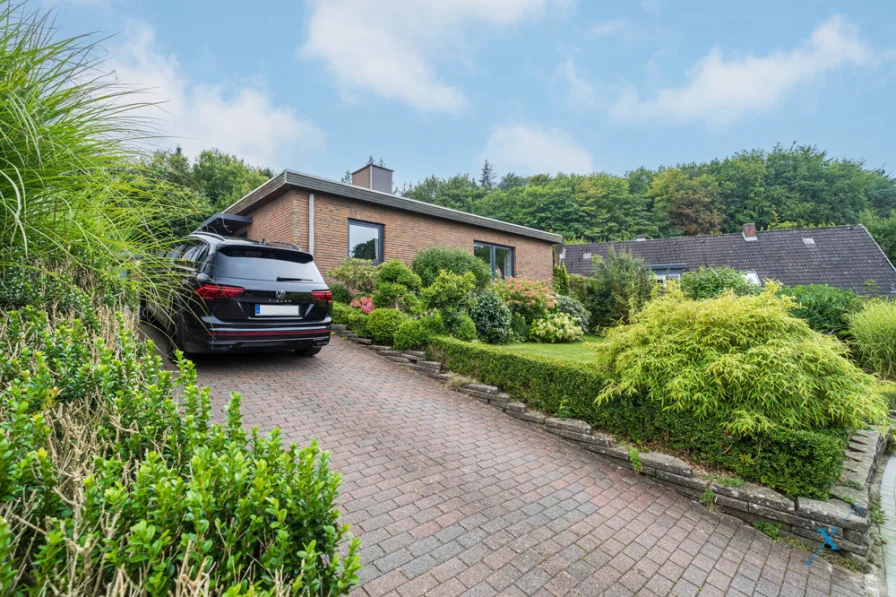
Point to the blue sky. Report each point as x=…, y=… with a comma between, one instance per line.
x=532, y=85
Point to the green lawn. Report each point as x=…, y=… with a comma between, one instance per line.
x=576, y=351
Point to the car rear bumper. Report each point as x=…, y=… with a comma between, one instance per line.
x=211, y=337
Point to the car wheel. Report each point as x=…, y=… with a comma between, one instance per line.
x=178, y=339
x=307, y=352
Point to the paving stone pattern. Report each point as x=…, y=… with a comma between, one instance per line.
x=452, y=497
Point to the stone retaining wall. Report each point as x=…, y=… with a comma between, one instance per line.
x=848, y=509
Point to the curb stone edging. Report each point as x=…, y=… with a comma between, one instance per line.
x=749, y=502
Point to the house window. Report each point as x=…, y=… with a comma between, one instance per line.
x=365, y=241
x=499, y=258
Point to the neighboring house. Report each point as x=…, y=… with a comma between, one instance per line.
x=364, y=219
x=844, y=256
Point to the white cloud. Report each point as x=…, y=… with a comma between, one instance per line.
x=241, y=119
x=528, y=149
x=721, y=91
x=625, y=29
x=579, y=93
x=391, y=47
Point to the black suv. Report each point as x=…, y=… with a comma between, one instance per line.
x=232, y=294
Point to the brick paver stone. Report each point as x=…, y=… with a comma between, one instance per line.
x=452, y=497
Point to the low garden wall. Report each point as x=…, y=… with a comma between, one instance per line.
x=837, y=496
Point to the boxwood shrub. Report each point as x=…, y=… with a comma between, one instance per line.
x=383, y=323
x=492, y=318
x=114, y=479
x=797, y=463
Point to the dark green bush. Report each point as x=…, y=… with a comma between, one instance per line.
x=519, y=328
x=574, y=308
x=382, y=324
x=710, y=282
x=398, y=273
x=352, y=318
x=412, y=333
x=429, y=262
x=434, y=324
x=579, y=287
x=798, y=463
x=621, y=285
x=396, y=287
x=825, y=308
x=340, y=294
x=115, y=477
x=492, y=318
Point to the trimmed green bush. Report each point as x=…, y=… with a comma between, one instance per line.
x=744, y=361
x=383, y=323
x=396, y=287
x=411, y=334
x=710, y=282
x=464, y=329
x=873, y=332
x=350, y=317
x=825, y=308
x=114, y=477
x=556, y=328
x=492, y=318
x=340, y=294
x=398, y=273
x=434, y=324
x=429, y=262
x=798, y=463
x=451, y=295
x=574, y=308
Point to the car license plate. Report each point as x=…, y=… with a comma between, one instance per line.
x=276, y=310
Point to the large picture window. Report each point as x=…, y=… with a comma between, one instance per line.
x=365, y=241
x=498, y=257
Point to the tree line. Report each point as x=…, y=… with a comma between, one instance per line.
x=796, y=186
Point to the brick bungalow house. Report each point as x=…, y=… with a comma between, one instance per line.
x=332, y=220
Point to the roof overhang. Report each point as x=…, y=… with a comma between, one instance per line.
x=289, y=179
x=224, y=224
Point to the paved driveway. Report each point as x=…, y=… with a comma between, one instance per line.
x=452, y=497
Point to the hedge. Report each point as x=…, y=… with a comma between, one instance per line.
x=797, y=463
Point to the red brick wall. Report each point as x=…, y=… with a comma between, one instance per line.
x=405, y=233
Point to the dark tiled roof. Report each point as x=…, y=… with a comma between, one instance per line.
x=844, y=256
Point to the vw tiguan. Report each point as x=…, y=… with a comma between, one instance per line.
x=232, y=294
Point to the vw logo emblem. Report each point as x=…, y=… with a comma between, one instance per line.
x=280, y=294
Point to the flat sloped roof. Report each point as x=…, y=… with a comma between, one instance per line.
x=290, y=179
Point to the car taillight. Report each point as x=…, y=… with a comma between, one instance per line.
x=214, y=291
x=322, y=295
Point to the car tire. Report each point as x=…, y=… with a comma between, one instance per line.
x=178, y=339
x=307, y=352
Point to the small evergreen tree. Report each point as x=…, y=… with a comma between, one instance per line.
x=487, y=179
x=347, y=177
x=561, y=280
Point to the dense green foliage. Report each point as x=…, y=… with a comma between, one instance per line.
x=710, y=282
x=106, y=461
x=620, y=287
x=519, y=328
x=340, y=293
x=825, y=308
x=352, y=318
x=382, y=324
x=358, y=276
x=791, y=186
x=798, y=463
x=464, y=329
x=411, y=334
x=883, y=230
x=560, y=280
x=396, y=286
x=429, y=262
x=492, y=318
x=744, y=361
x=574, y=308
x=873, y=333
x=450, y=294
x=556, y=327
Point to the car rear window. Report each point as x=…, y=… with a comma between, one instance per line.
x=263, y=263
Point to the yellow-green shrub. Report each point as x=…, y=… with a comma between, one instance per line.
x=873, y=332
x=744, y=361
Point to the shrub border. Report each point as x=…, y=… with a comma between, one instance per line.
x=750, y=502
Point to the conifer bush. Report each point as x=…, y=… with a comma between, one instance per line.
x=743, y=361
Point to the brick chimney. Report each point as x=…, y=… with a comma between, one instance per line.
x=373, y=177
x=750, y=231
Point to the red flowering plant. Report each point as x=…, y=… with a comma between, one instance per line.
x=529, y=298
x=365, y=304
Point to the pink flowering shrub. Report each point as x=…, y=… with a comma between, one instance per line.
x=365, y=304
x=529, y=298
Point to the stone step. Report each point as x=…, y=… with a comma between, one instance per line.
x=481, y=387
x=378, y=347
x=434, y=366
x=401, y=360
x=362, y=341
x=389, y=353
